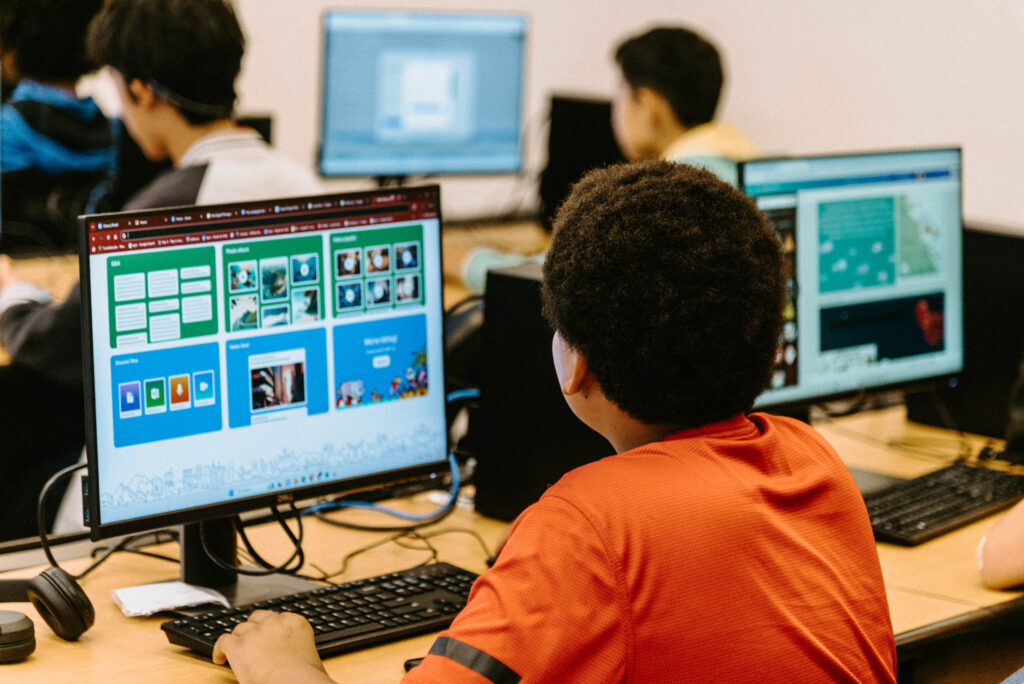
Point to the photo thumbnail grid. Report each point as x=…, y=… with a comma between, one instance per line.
x=273, y=283
x=377, y=269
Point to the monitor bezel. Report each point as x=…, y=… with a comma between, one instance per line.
x=421, y=171
x=91, y=504
x=800, y=406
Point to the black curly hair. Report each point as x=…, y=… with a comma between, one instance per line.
x=678, y=64
x=670, y=283
x=48, y=37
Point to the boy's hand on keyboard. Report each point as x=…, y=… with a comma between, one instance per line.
x=273, y=648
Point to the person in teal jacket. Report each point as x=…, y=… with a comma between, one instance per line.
x=47, y=127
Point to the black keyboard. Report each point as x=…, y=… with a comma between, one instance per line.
x=349, y=616
x=933, y=504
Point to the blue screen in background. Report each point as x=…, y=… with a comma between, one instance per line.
x=407, y=92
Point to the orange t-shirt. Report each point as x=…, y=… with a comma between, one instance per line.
x=738, y=551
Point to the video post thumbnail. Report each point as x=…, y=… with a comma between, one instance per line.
x=378, y=259
x=348, y=263
x=378, y=292
x=278, y=380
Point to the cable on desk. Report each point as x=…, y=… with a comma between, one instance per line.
x=123, y=546
x=415, y=520
x=326, y=576
x=171, y=536
x=460, y=530
x=402, y=539
x=912, y=446
x=405, y=542
x=290, y=566
x=104, y=553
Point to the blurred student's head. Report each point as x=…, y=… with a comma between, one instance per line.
x=671, y=81
x=188, y=52
x=44, y=40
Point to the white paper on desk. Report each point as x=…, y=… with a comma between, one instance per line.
x=147, y=599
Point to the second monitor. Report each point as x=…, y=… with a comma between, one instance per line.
x=875, y=283
x=416, y=92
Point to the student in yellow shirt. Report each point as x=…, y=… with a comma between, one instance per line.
x=664, y=108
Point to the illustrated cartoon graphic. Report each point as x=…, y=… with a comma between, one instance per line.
x=349, y=393
x=380, y=361
x=415, y=382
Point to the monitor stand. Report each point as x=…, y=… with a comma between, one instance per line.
x=395, y=181
x=238, y=589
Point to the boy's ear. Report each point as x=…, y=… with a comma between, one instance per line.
x=141, y=93
x=579, y=374
x=655, y=106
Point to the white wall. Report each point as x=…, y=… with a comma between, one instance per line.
x=804, y=76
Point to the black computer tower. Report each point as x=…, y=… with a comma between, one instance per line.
x=993, y=339
x=522, y=433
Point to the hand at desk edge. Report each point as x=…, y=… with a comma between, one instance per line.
x=272, y=648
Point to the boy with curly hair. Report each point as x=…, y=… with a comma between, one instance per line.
x=716, y=544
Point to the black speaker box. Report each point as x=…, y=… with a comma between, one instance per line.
x=522, y=433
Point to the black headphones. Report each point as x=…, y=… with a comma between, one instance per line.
x=59, y=600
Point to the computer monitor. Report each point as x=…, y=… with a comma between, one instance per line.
x=259, y=353
x=580, y=138
x=993, y=338
x=875, y=277
x=421, y=93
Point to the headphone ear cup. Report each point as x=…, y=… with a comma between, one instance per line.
x=62, y=603
x=17, y=636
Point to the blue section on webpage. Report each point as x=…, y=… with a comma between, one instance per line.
x=383, y=360
x=274, y=377
x=154, y=394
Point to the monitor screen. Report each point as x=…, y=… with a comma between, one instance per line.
x=245, y=354
x=580, y=138
x=413, y=93
x=875, y=278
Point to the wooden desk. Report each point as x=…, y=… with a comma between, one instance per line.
x=933, y=589
x=121, y=649
x=56, y=273
x=519, y=237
